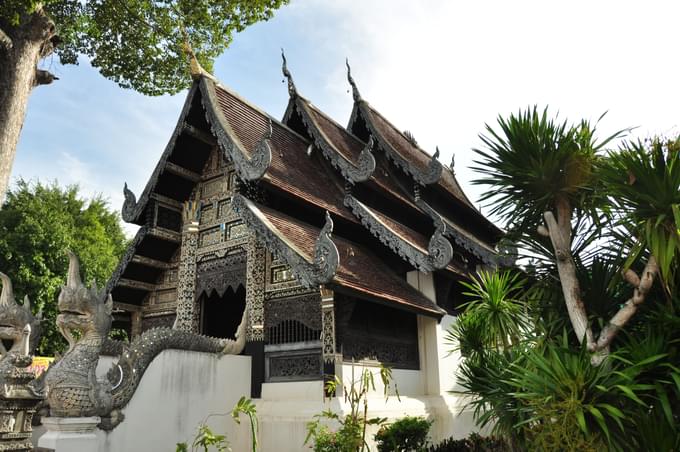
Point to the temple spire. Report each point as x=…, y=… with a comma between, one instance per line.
x=286, y=73
x=355, y=90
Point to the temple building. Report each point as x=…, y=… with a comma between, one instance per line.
x=342, y=244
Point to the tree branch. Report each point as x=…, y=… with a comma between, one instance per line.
x=5, y=40
x=629, y=308
x=43, y=77
x=632, y=278
x=567, y=272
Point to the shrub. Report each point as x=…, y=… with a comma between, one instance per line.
x=346, y=439
x=351, y=436
x=404, y=435
x=473, y=443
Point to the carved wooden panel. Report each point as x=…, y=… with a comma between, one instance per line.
x=293, y=365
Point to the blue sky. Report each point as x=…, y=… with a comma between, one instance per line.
x=441, y=69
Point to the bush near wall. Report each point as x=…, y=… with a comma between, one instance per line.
x=473, y=443
x=406, y=434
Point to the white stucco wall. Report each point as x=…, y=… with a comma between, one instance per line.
x=178, y=391
x=283, y=420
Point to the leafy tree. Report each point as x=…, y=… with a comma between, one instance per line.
x=561, y=194
x=38, y=223
x=594, y=364
x=139, y=44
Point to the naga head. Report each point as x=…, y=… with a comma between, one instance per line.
x=14, y=318
x=82, y=309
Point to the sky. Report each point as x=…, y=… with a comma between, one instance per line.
x=440, y=69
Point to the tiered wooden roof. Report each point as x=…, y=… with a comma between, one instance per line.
x=395, y=208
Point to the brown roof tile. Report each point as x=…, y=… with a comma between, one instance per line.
x=350, y=147
x=291, y=169
x=412, y=153
x=406, y=234
x=359, y=269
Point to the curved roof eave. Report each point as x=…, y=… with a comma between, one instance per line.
x=250, y=166
x=311, y=271
x=437, y=255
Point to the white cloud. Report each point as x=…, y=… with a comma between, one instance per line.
x=443, y=69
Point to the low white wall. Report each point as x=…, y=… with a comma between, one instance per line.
x=283, y=421
x=408, y=382
x=178, y=391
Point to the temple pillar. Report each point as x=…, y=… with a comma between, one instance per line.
x=187, y=317
x=328, y=349
x=428, y=344
x=255, y=281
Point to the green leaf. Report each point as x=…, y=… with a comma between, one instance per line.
x=580, y=418
x=630, y=394
x=676, y=379
x=616, y=414
x=600, y=421
x=665, y=404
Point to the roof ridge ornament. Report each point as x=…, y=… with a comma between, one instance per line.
x=195, y=68
x=326, y=255
x=433, y=172
x=365, y=163
x=452, y=165
x=262, y=154
x=129, y=205
x=355, y=91
x=292, y=91
x=409, y=137
x=439, y=248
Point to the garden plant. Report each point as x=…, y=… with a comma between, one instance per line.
x=578, y=349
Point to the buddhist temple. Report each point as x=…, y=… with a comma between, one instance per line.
x=344, y=244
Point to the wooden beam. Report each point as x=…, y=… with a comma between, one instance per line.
x=127, y=307
x=182, y=172
x=167, y=200
x=133, y=284
x=199, y=134
x=149, y=262
x=164, y=234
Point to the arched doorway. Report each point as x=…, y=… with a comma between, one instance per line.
x=222, y=314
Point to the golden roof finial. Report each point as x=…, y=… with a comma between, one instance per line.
x=195, y=68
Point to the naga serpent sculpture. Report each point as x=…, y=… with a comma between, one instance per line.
x=19, y=334
x=84, y=319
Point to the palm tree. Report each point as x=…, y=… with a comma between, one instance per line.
x=559, y=191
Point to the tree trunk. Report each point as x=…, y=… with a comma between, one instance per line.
x=21, y=48
x=559, y=232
